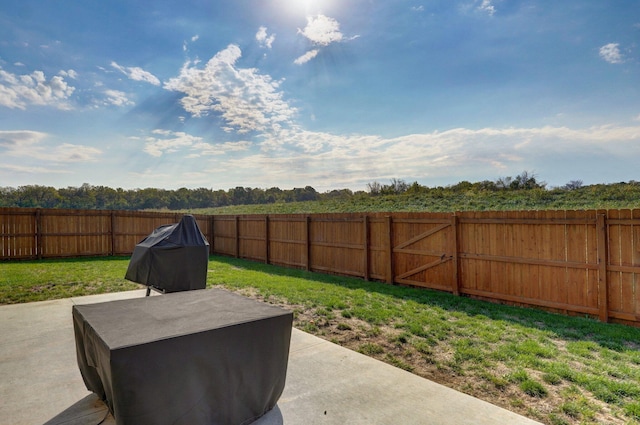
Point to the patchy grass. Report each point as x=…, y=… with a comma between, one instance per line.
x=28, y=281
x=552, y=368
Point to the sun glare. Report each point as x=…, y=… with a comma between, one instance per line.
x=310, y=7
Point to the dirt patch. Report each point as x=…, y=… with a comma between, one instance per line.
x=38, y=289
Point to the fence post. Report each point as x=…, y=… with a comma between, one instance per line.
x=455, y=247
x=365, y=221
x=266, y=239
x=390, y=266
x=308, y=241
x=212, y=235
x=603, y=259
x=38, y=234
x=237, y=221
x=113, y=233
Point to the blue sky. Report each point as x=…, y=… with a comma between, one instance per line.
x=328, y=93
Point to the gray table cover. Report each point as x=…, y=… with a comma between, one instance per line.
x=196, y=357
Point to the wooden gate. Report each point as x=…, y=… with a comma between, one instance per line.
x=424, y=252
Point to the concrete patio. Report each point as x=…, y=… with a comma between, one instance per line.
x=326, y=384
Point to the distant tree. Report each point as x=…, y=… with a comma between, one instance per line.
x=273, y=195
x=526, y=180
x=257, y=196
x=6, y=197
x=152, y=199
x=36, y=196
x=523, y=181
x=396, y=187
x=486, y=185
x=239, y=196
x=374, y=188
x=307, y=193
x=416, y=188
x=220, y=198
x=504, y=182
x=179, y=199
x=201, y=198
x=83, y=197
x=463, y=186
x=399, y=186
x=110, y=199
x=338, y=194
x=573, y=185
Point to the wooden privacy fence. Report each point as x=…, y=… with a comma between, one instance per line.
x=577, y=262
x=34, y=233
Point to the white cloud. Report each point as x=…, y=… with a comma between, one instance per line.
x=245, y=99
x=137, y=74
x=336, y=161
x=306, y=57
x=417, y=8
x=220, y=148
x=185, y=45
x=167, y=141
x=322, y=30
x=19, y=91
x=265, y=40
x=116, y=98
x=29, y=144
x=25, y=169
x=14, y=141
x=68, y=152
x=611, y=53
x=486, y=6
x=353, y=160
x=70, y=73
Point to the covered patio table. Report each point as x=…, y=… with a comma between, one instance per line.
x=195, y=357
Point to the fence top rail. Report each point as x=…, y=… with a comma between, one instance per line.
x=94, y=212
x=276, y=218
x=337, y=220
x=422, y=220
x=4, y=211
x=542, y=220
x=631, y=213
x=627, y=221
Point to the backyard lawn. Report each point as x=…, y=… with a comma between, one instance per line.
x=552, y=368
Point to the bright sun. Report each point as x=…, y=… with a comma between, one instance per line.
x=302, y=9
x=310, y=7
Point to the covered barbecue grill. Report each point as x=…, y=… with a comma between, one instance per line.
x=173, y=258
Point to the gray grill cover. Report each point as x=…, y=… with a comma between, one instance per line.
x=207, y=357
x=174, y=257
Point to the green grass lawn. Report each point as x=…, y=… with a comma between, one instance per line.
x=552, y=368
x=27, y=281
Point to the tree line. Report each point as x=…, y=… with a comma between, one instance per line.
x=102, y=197
x=523, y=181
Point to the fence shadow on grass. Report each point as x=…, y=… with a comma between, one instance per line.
x=571, y=328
